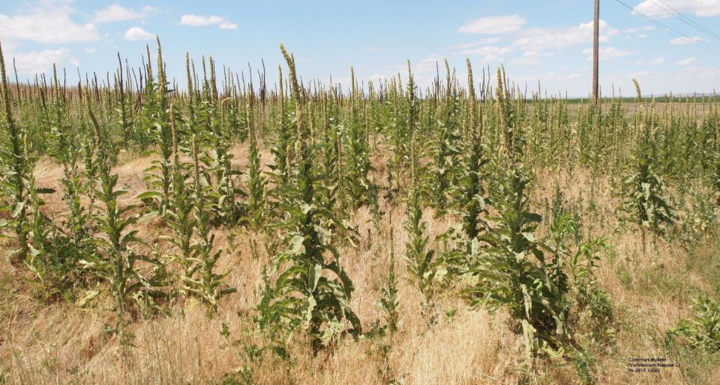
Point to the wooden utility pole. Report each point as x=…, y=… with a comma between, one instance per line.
x=596, y=52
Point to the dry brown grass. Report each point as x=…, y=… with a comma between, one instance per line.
x=61, y=343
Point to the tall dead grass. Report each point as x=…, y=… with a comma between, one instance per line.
x=62, y=343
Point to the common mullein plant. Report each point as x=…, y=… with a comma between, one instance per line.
x=312, y=291
x=257, y=206
x=117, y=261
x=396, y=131
x=390, y=301
x=46, y=254
x=203, y=280
x=282, y=149
x=17, y=171
x=331, y=153
x=701, y=332
x=155, y=110
x=219, y=158
x=713, y=123
x=470, y=198
x=234, y=117
x=515, y=272
x=645, y=198
x=361, y=191
x=180, y=218
x=56, y=250
x=68, y=153
x=124, y=106
x=445, y=146
x=509, y=125
x=42, y=258
x=90, y=171
x=256, y=182
x=421, y=262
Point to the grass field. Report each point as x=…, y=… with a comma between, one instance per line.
x=240, y=233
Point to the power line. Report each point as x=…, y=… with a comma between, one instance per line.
x=671, y=29
x=669, y=9
x=663, y=25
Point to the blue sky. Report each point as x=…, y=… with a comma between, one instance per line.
x=546, y=40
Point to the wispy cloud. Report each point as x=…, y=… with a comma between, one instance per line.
x=685, y=62
x=486, y=41
x=639, y=29
x=202, y=21
x=541, y=39
x=486, y=51
x=608, y=53
x=538, y=43
x=702, y=8
x=685, y=40
x=494, y=25
x=115, y=13
x=660, y=60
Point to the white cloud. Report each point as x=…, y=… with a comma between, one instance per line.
x=608, y=53
x=685, y=40
x=642, y=36
x=30, y=63
x=525, y=61
x=115, y=12
x=137, y=33
x=537, y=43
x=544, y=42
x=685, y=62
x=429, y=63
x=660, y=60
x=639, y=74
x=531, y=57
x=489, y=40
x=47, y=23
x=494, y=25
x=486, y=50
x=702, y=8
x=484, y=54
x=636, y=30
x=202, y=21
x=538, y=39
